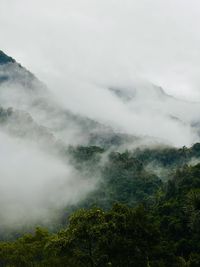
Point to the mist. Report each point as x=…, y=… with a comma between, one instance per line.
x=35, y=185
x=81, y=49
x=129, y=65
x=89, y=40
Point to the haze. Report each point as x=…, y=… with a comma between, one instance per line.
x=103, y=40
x=87, y=53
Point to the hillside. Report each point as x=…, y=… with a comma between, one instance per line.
x=78, y=192
x=163, y=232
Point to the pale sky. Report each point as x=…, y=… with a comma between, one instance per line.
x=104, y=40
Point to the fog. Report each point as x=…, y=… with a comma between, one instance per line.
x=92, y=39
x=38, y=181
x=80, y=49
x=35, y=184
x=129, y=65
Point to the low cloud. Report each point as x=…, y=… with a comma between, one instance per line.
x=92, y=40
x=80, y=49
x=34, y=185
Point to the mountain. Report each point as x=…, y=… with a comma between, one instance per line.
x=29, y=98
x=13, y=72
x=155, y=98
x=151, y=101
x=147, y=106
x=4, y=59
x=141, y=207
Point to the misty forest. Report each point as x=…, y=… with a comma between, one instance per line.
x=79, y=193
x=99, y=134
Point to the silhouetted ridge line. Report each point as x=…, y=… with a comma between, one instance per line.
x=4, y=59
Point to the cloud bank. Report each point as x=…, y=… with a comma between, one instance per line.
x=81, y=48
x=35, y=184
x=97, y=40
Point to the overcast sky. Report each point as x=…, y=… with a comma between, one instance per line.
x=102, y=40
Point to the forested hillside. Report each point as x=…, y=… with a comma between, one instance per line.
x=76, y=191
x=131, y=177
x=162, y=233
x=134, y=218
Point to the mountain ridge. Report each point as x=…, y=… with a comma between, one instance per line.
x=146, y=100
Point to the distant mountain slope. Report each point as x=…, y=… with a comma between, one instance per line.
x=13, y=72
x=22, y=91
x=25, y=94
x=29, y=112
x=4, y=59
x=150, y=100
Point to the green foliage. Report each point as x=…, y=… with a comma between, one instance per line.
x=163, y=231
x=123, y=179
x=177, y=212
x=26, y=251
x=120, y=237
x=169, y=157
x=126, y=177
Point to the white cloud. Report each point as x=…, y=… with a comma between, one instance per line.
x=79, y=48
x=91, y=39
x=34, y=184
